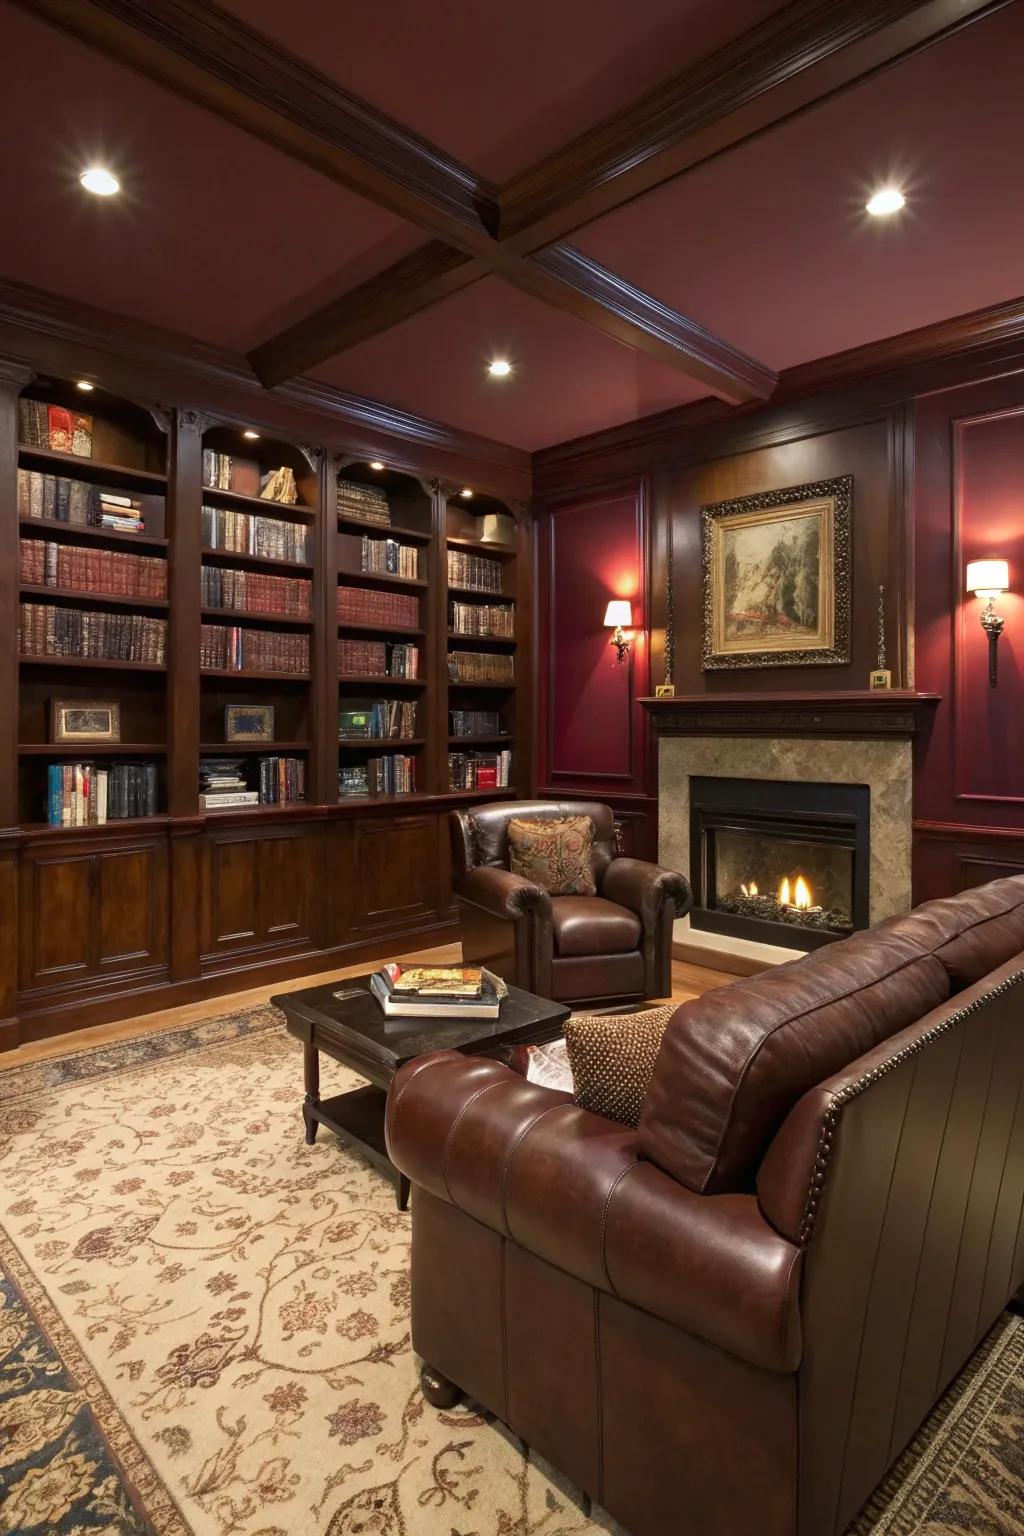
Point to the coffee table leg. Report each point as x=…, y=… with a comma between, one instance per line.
x=311, y=1080
x=402, y=1192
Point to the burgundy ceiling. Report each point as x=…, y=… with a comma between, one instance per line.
x=500, y=85
x=770, y=245
x=223, y=238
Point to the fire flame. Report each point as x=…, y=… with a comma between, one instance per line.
x=749, y=890
x=798, y=895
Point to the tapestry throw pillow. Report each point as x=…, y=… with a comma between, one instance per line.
x=554, y=854
x=612, y=1058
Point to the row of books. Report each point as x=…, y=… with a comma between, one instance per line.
x=479, y=770
x=474, y=722
x=255, y=592
x=474, y=571
x=378, y=658
x=228, y=781
x=378, y=718
x=496, y=619
x=84, y=795
x=367, y=605
x=367, y=502
x=50, y=631
x=479, y=667
x=250, y=533
x=229, y=648
x=388, y=775
x=220, y=474
x=61, y=499
x=45, y=563
x=55, y=427
x=386, y=557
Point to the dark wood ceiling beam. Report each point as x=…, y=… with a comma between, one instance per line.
x=807, y=52
x=210, y=57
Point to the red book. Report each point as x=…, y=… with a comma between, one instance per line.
x=59, y=420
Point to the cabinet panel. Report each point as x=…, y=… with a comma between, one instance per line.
x=286, y=883
x=131, y=906
x=258, y=888
x=231, y=892
x=396, y=870
x=57, y=942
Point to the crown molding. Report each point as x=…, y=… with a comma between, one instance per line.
x=40, y=329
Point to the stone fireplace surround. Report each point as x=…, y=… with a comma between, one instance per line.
x=838, y=739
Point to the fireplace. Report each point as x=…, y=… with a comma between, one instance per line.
x=781, y=863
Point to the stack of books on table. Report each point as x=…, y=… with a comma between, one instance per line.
x=438, y=991
x=223, y=783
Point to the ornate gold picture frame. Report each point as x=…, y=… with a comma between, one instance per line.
x=777, y=577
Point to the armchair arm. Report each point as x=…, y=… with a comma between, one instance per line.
x=570, y=1187
x=645, y=888
x=504, y=894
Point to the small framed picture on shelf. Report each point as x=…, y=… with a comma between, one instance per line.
x=73, y=720
x=249, y=722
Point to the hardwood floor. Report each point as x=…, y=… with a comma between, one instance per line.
x=687, y=981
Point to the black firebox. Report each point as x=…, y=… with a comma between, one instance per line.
x=783, y=863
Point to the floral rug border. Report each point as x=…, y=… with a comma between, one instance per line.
x=143, y=1050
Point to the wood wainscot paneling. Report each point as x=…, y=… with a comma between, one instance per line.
x=395, y=872
x=259, y=886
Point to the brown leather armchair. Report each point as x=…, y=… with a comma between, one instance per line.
x=733, y=1319
x=609, y=948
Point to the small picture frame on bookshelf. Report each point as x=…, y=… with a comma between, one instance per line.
x=76, y=720
x=249, y=722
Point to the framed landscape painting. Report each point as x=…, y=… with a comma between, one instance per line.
x=777, y=576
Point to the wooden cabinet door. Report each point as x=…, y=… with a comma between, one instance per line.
x=259, y=888
x=395, y=871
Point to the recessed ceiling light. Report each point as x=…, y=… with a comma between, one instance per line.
x=84, y=384
x=376, y=464
x=466, y=492
x=253, y=436
x=102, y=182
x=499, y=368
x=885, y=200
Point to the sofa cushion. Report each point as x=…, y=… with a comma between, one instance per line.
x=972, y=933
x=555, y=854
x=735, y=1061
x=589, y=925
x=612, y=1056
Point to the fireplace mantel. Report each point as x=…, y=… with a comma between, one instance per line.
x=885, y=713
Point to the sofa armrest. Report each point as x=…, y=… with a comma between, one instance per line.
x=504, y=894
x=570, y=1187
x=645, y=888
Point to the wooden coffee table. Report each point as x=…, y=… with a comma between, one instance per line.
x=344, y=1020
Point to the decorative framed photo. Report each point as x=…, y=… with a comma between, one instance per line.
x=249, y=722
x=75, y=720
x=777, y=577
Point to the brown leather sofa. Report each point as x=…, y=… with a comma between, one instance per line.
x=612, y=947
x=734, y=1319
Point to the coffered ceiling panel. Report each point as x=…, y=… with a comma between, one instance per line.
x=567, y=378
x=499, y=86
x=770, y=245
x=214, y=233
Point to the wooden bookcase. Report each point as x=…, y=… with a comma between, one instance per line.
x=136, y=914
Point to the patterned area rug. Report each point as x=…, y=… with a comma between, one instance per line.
x=204, y=1328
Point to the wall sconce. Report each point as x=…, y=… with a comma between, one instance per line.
x=618, y=616
x=987, y=579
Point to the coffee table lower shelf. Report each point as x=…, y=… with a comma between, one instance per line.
x=357, y=1118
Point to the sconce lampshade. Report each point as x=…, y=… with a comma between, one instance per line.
x=987, y=578
x=619, y=612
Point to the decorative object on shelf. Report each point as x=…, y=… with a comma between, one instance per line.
x=249, y=722
x=279, y=485
x=618, y=617
x=777, y=577
x=989, y=579
x=73, y=720
x=881, y=677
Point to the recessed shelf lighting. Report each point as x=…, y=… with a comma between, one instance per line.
x=376, y=464
x=252, y=436
x=100, y=181
x=499, y=368
x=886, y=200
x=466, y=492
x=84, y=384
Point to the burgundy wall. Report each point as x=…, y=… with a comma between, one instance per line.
x=593, y=737
x=969, y=503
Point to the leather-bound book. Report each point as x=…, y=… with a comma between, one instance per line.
x=59, y=420
x=81, y=435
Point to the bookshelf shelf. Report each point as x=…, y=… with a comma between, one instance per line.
x=74, y=462
x=252, y=748
x=41, y=829
x=399, y=531
x=89, y=534
x=359, y=742
x=255, y=562
x=85, y=750
x=468, y=741
x=507, y=598
x=93, y=664
x=458, y=638
x=506, y=687
x=242, y=677
x=247, y=616
x=381, y=680
x=480, y=547
x=258, y=504
x=98, y=599
x=345, y=625
x=381, y=579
